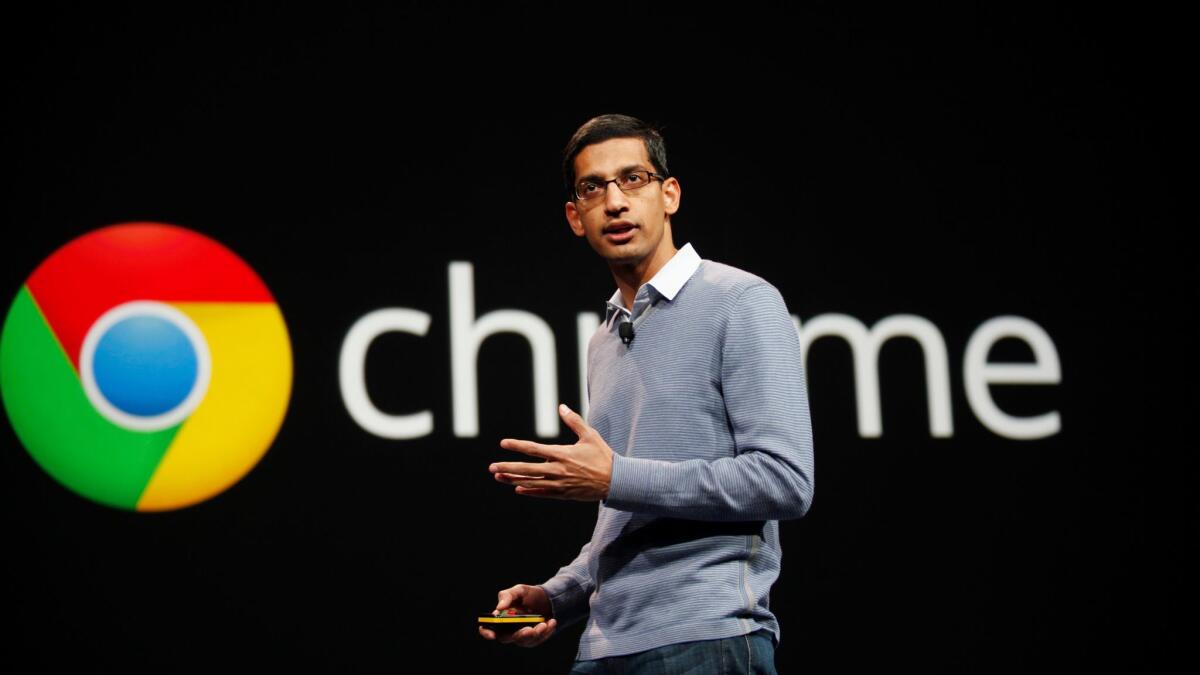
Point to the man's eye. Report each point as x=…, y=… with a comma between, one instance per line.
x=634, y=178
x=588, y=188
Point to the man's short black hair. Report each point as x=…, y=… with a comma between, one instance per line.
x=604, y=127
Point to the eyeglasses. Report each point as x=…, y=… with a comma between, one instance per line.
x=587, y=190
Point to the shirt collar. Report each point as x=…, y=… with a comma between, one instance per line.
x=667, y=281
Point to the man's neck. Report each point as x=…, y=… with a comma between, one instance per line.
x=630, y=278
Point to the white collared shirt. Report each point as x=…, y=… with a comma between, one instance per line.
x=666, y=283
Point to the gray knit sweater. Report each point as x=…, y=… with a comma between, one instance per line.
x=706, y=411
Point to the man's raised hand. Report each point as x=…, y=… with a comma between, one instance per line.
x=580, y=472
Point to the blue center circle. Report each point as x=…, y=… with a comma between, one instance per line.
x=145, y=365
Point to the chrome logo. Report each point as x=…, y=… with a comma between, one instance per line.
x=145, y=366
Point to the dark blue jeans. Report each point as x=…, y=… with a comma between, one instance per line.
x=753, y=653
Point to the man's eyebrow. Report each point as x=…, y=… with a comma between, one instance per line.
x=596, y=178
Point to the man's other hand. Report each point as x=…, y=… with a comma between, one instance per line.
x=527, y=600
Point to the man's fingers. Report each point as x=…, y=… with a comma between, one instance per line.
x=532, y=486
x=573, y=420
x=529, y=448
x=528, y=469
x=504, y=600
x=531, y=636
x=529, y=481
x=512, y=478
x=545, y=629
x=536, y=491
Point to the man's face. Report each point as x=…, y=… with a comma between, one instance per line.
x=623, y=227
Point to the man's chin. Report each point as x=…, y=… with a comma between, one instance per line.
x=617, y=254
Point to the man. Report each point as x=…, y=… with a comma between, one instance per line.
x=699, y=439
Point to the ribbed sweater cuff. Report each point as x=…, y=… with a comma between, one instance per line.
x=568, y=599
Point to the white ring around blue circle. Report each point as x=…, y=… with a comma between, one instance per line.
x=141, y=422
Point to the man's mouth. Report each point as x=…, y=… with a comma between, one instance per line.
x=619, y=232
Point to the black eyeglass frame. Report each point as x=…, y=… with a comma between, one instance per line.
x=650, y=175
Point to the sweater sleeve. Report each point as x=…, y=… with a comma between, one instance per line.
x=570, y=589
x=770, y=477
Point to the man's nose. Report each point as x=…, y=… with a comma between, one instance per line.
x=614, y=199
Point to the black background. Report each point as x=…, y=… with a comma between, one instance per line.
x=954, y=163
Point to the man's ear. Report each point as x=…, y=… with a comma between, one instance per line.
x=573, y=218
x=672, y=193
